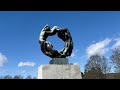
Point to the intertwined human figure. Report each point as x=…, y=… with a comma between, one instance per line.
x=47, y=47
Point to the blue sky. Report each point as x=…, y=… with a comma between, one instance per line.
x=92, y=32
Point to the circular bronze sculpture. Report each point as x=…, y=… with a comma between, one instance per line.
x=47, y=47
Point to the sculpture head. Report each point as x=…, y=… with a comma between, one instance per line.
x=63, y=34
x=46, y=28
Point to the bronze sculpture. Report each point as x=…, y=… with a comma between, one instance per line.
x=47, y=47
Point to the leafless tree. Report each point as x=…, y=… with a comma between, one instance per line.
x=97, y=67
x=115, y=58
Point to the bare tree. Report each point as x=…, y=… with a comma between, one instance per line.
x=18, y=77
x=97, y=67
x=115, y=58
x=29, y=77
x=34, y=78
x=82, y=74
x=7, y=77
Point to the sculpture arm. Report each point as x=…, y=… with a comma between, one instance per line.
x=53, y=31
x=55, y=28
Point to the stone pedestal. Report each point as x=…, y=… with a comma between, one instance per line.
x=52, y=71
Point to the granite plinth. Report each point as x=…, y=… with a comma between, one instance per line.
x=52, y=71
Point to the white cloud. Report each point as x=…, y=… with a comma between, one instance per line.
x=98, y=48
x=3, y=71
x=20, y=72
x=28, y=64
x=23, y=71
x=3, y=60
x=83, y=57
x=73, y=55
x=75, y=63
x=117, y=44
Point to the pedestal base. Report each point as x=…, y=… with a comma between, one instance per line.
x=59, y=61
x=52, y=71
